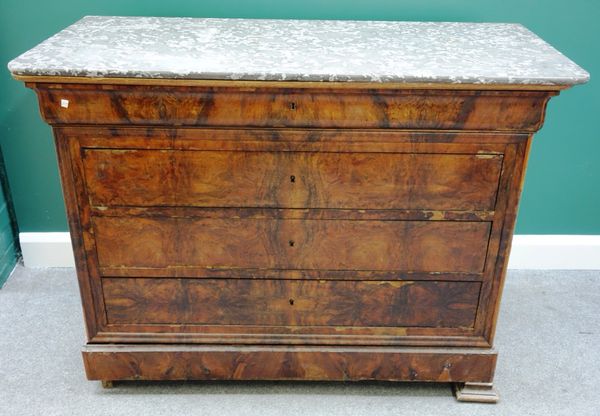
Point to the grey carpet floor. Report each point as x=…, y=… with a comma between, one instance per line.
x=549, y=364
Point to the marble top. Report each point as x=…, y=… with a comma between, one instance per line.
x=299, y=50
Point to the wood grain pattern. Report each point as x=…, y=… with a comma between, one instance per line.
x=289, y=107
x=59, y=81
x=290, y=303
x=168, y=334
x=492, y=292
x=292, y=244
x=292, y=179
x=293, y=213
x=76, y=220
x=188, y=228
x=292, y=139
x=131, y=362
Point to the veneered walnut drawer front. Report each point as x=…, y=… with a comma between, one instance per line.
x=286, y=107
x=292, y=179
x=290, y=303
x=428, y=246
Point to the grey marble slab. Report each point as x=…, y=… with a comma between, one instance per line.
x=299, y=50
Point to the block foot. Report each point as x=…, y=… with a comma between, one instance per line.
x=107, y=384
x=475, y=392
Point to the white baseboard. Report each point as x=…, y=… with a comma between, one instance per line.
x=46, y=249
x=559, y=252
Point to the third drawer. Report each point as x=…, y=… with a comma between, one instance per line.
x=267, y=243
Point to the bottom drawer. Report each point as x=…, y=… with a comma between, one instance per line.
x=291, y=302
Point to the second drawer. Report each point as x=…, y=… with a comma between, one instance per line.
x=263, y=243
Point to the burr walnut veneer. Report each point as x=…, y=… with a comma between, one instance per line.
x=290, y=230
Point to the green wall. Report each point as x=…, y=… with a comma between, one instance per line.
x=562, y=187
x=8, y=244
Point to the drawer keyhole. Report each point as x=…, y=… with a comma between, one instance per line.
x=292, y=302
x=293, y=106
x=291, y=243
x=292, y=179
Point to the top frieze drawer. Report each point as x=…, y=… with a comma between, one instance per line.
x=292, y=107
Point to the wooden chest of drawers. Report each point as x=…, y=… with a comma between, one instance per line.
x=286, y=244
x=281, y=230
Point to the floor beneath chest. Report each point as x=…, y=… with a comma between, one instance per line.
x=549, y=362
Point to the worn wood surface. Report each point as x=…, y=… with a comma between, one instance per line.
x=32, y=80
x=475, y=392
x=290, y=107
x=88, y=286
x=292, y=213
x=169, y=334
x=181, y=362
x=292, y=303
x=300, y=225
x=425, y=246
x=107, y=384
x=293, y=139
x=492, y=292
x=292, y=179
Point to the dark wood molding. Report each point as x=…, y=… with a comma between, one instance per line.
x=196, y=362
